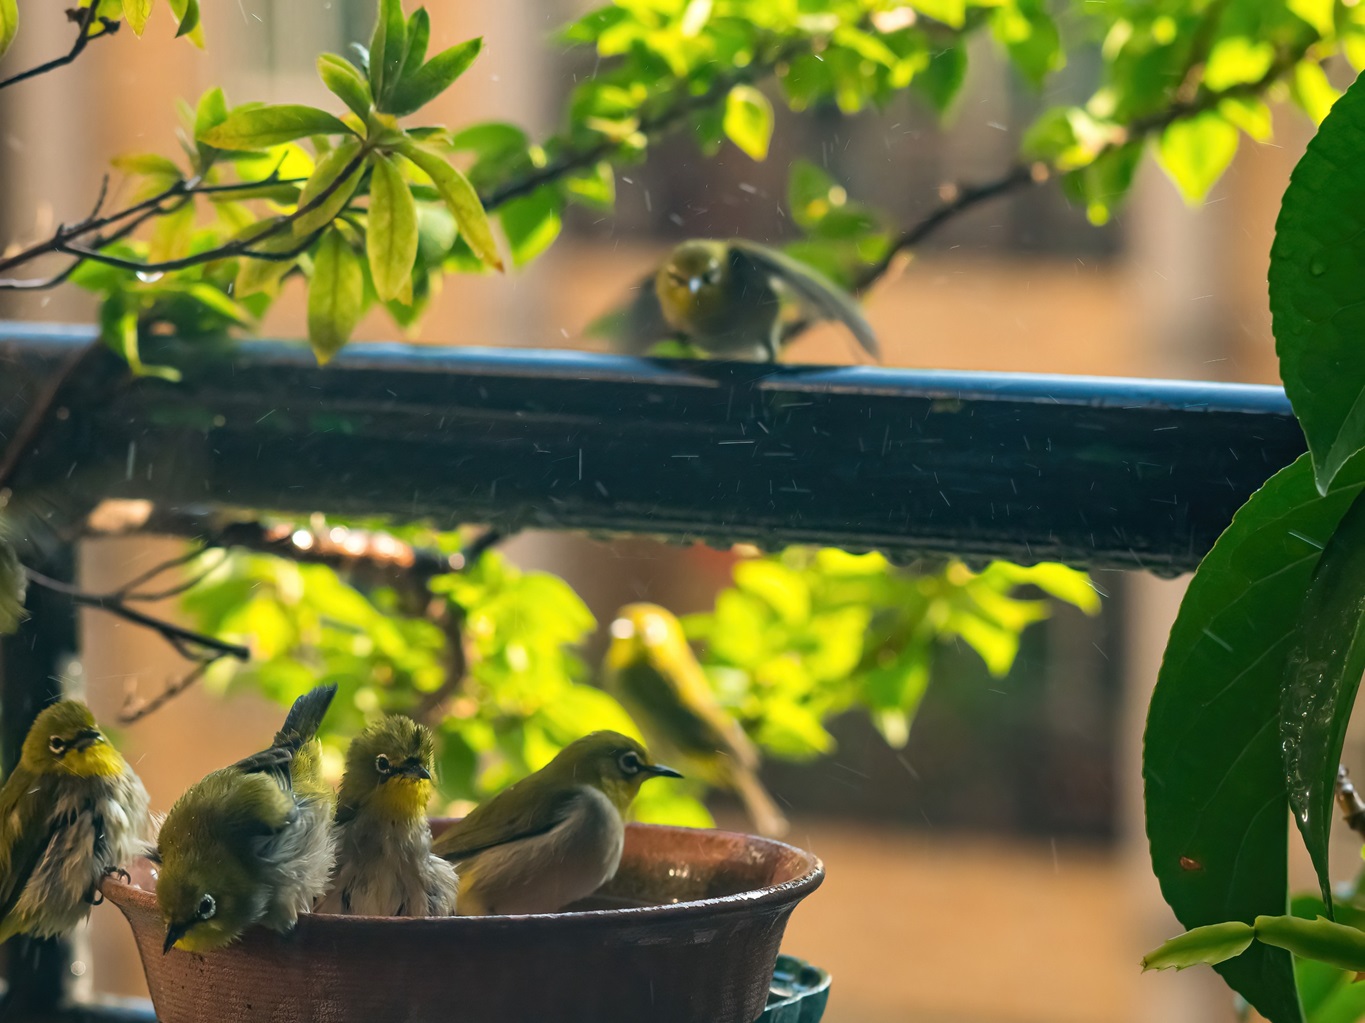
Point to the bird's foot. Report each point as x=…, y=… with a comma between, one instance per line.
x=119, y=873
x=95, y=897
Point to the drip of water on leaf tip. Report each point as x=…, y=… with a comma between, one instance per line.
x=149, y=278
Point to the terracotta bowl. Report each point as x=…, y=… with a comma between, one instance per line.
x=688, y=932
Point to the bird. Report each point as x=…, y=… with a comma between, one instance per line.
x=654, y=675
x=385, y=866
x=74, y=812
x=726, y=299
x=553, y=837
x=251, y=843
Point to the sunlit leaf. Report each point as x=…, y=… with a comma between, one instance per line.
x=1208, y=945
x=137, y=12
x=346, y=82
x=262, y=127
x=1311, y=90
x=335, y=295
x=9, y=23
x=13, y=587
x=433, y=78
x=749, y=121
x=257, y=275
x=1195, y=152
x=391, y=232
x=1030, y=37
x=328, y=170
x=531, y=224
x=1249, y=114
x=1322, y=940
x=951, y=12
x=463, y=202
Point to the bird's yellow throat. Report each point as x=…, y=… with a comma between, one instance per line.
x=98, y=761
x=402, y=798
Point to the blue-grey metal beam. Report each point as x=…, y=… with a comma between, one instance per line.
x=1091, y=471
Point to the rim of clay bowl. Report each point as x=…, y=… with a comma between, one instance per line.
x=792, y=891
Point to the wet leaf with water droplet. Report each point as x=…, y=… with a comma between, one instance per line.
x=1325, y=667
x=1214, y=771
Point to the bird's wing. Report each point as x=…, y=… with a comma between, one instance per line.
x=491, y=825
x=275, y=761
x=637, y=325
x=821, y=296
x=22, y=847
x=686, y=709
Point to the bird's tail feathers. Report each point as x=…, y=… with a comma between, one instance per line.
x=758, y=804
x=305, y=717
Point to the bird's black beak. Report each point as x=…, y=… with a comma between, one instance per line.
x=411, y=768
x=174, y=933
x=663, y=771
x=86, y=738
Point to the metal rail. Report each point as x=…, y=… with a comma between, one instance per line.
x=1092, y=471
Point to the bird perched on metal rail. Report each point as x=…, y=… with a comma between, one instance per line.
x=553, y=837
x=727, y=298
x=385, y=866
x=73, y=812
x=250, y=843
x=652, y=672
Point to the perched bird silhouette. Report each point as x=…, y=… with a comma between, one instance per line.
x=556, y=835
x=73, y=812
x=727, y=299
x=652, y=672
x=385, y=866
x=251, y=843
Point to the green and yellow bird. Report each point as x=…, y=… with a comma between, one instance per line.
x=654, y=675
x=385, y=866
x=728, y=298
x=251, y=843
x=73, y=812
x=553, y=837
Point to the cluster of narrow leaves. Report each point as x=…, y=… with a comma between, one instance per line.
x=1248, y=720
x=798, y=639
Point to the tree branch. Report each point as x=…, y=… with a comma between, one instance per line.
x=1349, y=801
x=85, y=20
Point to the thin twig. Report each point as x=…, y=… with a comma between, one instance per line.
x=134, y=709
x=1351, y=805
x=84, y=20
x=177, y=636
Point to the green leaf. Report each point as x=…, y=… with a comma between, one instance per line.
x=119, y=330
x=329, y=168
x=749, y=121
x=13, y=588
x=1237, y=60
x=9, y=23
x=172, y=234
x=1216, y=804
x=137, y=12
x=335, y=295
x=433, y=78
x=532, y=223
x=1030, y=37
x=148, y=163
x=595, y=187
x=391, y=236
x=459, y=195
x=1316, y=265
x=1321, y=14
x=1211, y=944
x=1310, y=89
x=1195, y=152
x=942, y=80
x=345, y=82
x=1325, y=668
x=419, y=34
x=261, y=127
x=387, y=46
x=951, y=12
x=187, y=13
x=210, y=112
x=1321, y=940
x=1249, y=114
x=257, y=275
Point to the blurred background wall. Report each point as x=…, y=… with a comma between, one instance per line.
x=995, y=870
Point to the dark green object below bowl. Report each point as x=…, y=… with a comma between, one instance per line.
x=799, y=993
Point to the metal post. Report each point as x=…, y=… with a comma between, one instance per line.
x=31, y=666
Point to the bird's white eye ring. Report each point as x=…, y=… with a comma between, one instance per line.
x=381, y=764
x=623, y=628
x=207, y=907
x=57, y=745
x=630, y=762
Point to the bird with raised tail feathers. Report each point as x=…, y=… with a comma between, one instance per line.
x=251, y=843
x=652, y=672
x=553, y=837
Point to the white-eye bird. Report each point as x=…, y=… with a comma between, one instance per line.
x=73, y=812
x=385, y=866
x=727, y=298
x=251, y=843
x=654, y=675
x=553, y=837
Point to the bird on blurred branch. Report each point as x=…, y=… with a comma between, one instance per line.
x=730, y=299
x=652, y=671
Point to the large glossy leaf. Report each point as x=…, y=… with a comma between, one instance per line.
x=335, y=295
x=1326, y=664
x=1216, y=801
x=1316, y=267
x=463, y=202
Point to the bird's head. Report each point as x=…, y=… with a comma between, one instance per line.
x=65, y=740
x=388, y=769
x=611, y=762
x=207, y=887
x=644, y=632
x=692, y=283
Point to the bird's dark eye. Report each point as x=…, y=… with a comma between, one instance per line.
x=207, y=907
x=381, y=764
x=57, y=745
x=630, y=763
